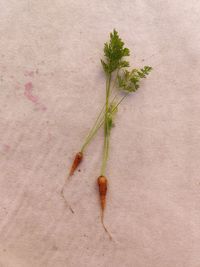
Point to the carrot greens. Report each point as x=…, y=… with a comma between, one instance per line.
x=127, y=81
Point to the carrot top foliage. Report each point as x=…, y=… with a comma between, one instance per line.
x=129, y=80
x=118, y=79
x=114, y=52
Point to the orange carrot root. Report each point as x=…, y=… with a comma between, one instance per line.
x=77, y=160
x=102, y=183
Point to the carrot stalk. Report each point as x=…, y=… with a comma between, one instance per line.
x=102, y=183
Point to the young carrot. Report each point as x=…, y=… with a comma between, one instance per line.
x=102, y=184
x=128, y=81
x=77, y=160
x=79, y=156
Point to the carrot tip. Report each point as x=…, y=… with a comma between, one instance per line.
x=106, y=230
x=102, y=183
x=65, y=201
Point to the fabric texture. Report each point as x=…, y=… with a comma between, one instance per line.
x=52, y=87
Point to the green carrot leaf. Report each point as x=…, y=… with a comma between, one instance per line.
x=114, y=51
x=129, y=80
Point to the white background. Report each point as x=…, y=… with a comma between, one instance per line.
x=52, y=87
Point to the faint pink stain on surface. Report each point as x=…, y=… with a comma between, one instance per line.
x=42, y=107
x=4, y=68
x=29, y=73
x=28, y=92
x=17, y=86
x=6, y=147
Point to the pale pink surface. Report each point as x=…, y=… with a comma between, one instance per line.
x=52, y=87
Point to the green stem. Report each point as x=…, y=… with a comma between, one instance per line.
x=107, y=137
x=100, y=120
x=92, y=130
x=105, y=155
x=92, y=135
x=119, y=102
x=98, y=126
x=94, y=127
x=106, y=128
x=98, y=123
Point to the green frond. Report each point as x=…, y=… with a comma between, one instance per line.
x=129, y=81
x=114, y=51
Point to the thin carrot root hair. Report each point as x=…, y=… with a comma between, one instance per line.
x=102, y=221
x=102, y=183
x=62, y=195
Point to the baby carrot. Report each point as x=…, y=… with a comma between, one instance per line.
x=127, y=82
x=102, y=183
x=77, y=160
